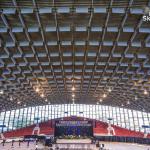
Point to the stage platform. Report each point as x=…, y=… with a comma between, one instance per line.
x=73, y=141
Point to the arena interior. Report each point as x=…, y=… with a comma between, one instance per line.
x=74, y=74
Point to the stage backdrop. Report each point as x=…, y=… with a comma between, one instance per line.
x=76, y=128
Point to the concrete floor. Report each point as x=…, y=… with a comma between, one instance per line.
x=125, y=146
x=108, y=146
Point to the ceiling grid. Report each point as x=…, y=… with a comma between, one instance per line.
x=97, y=47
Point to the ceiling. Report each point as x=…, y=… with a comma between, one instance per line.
x=102, y=48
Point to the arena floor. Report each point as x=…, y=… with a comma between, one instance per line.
x=125, y=146
x=108, y=146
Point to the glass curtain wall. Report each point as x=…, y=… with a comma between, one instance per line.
x=126, y=118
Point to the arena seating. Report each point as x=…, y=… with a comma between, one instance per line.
x=45, y=129
x=101, y=129
x=125, y=132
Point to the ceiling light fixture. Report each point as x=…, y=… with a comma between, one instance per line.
x=109, y=90
x=101, y=100
x=136, y=98
x=145, y=92
x=1, y=92
x=128, y=102
x=73, y=95
x=104, y=95
x=73, y=88
x=46, y=100
x=42, y=95
x=97, y=103
x=18, y=102
x=11, y=98
x=37, y=90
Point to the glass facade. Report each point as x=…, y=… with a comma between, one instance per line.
x=126, y=118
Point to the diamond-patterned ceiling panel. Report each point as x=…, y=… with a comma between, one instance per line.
x=83, y=51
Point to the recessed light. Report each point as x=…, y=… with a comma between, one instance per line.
x=73, y=95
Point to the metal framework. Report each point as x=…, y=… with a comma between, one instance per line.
x=91, y=45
